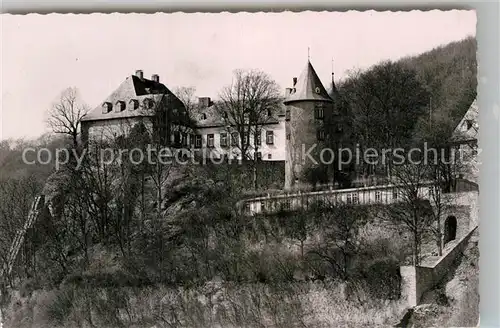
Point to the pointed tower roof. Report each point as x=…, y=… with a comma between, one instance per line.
x=308, y=87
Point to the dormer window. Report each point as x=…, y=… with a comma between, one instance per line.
x=133, y=104
x=203, y=116
x=469, y=124
x=318, y=90
x=269, y=113
x=107, y=107
x=149, y=103
x=120, y=106
x=175, y=111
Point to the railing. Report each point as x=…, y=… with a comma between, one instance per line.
x=385, y=194
x=33, y=214
x=378, y=194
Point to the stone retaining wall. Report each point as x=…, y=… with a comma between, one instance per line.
x=416, y=280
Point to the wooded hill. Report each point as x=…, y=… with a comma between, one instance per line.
x=421, y=97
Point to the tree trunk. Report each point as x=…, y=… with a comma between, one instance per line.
x=415, y=248
x=254, y=175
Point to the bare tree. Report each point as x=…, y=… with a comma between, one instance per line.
x=188, y=97
x=412, y=209
x=249, y=102
x=340, y=223
x=66, y=114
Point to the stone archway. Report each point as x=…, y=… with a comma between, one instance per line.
x=450, y=229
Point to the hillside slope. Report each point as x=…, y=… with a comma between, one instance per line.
x=449, y=72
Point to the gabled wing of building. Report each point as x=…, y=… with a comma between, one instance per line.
x=134, y=97
x=468, y=128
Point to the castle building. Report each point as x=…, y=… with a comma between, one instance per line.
x=302, y=122
x=149, y=103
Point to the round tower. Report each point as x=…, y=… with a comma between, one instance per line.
x=308, y=109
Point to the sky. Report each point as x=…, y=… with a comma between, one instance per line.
x=44, y=54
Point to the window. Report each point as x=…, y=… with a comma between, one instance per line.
x=224, y=115
x=245, y=138
x=134, y=104
x=270, y=137
x=288, y=115
x=210, y=140
x=269, y=113
x=203, y=116
x=258, y=155
x=288, y=136
x=469, y=124
x=148, y=103
x=321, y=134
x=197, y=141
x=234, y=139
x=319, y=111
x=349, y=199
x=177, y=138
x=269, y=156
x=223, y=139
x=318, y=90
x=191, y=139
x=184, y=139
x=106, y=107
x=395, y=194
x=258, y=138
x=120, y=106
x=378, y=196
x=431, y=191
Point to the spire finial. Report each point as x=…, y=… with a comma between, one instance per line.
x=333, y=78
x=333, y=73
x=308, y=55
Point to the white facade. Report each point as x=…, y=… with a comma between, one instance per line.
x=217, y=141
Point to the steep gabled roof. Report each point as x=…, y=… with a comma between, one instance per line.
x=133, y=90
x=468, y=128
x=308, y=87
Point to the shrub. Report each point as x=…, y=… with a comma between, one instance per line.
x=62, y=305
x=28, y=286
x=381, y=278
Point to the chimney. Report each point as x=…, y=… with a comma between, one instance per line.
x=139, y=74
x=156, y=78
x=204, y=102
x=294, y=81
